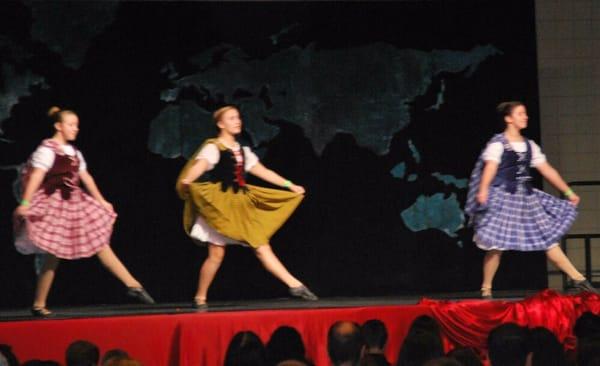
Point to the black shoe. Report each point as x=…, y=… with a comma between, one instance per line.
x=486, y=293
x=585, y=285
x=41, y=313
x=303, y=292
x=140, y=294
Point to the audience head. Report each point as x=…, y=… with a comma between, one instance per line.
x=466, y=356
x=424, y=323
x=588, y=351
x=344, y=343
x=40, y=363
x=245, y=349
x=587, y=325
x=546, y=348
x=82, y=353
x=112, y=355
x=374, y=360
x=285, y=344
x=374, y=335
x=419, y=347
x=9, y=356
x=443, y=361
x=508, y=345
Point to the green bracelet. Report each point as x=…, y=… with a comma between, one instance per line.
x=569, y=193
x=287, y=183
x=24, y=202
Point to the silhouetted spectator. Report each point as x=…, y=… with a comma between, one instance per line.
x=285, y=344
x=508, y=345
x=545, y=348
x=82, y=353
x=373, y=360
x=466, y=356
x=443, y=361
x=245, y=349
x=113, y=354
x=8, y=354
x=374, y=334
x=588, y=350
x=587, y=325
x=40, y=363
x=425, y=323
x=344, y=343
x=419, y=347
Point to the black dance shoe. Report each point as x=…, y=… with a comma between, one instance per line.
x=41, y=312
x=303, y=292
x=140, y=295
x=199, y=304
x=486, y=293
x=585, y=285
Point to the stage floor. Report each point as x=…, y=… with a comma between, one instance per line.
x=105, y=310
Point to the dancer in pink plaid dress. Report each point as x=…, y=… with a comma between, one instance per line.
x=58, y=219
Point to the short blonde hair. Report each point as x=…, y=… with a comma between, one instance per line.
x=218, y=114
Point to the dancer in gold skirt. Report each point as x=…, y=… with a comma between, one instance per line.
x=226, y=210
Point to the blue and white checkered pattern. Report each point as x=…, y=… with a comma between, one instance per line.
x=517, y=221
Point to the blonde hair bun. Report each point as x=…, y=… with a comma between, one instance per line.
x=53, y=110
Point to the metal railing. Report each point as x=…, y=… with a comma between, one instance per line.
x=587, y=240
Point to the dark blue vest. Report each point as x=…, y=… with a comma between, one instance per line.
x=513, y=170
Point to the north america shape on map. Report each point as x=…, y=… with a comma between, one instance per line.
x=364, y=91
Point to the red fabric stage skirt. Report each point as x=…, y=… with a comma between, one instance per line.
x=202, y=338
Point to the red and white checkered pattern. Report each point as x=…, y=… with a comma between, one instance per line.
x=69, y=228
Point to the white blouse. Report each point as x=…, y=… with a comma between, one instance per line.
x=43, y=157
x=493, y=152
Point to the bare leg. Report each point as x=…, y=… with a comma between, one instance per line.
x=562, y=262
x=44, y=282
x=108, y=258
x=208, y=271
x=269, y=260
x=491, y=262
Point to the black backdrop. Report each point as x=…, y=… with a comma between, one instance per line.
x=347, y=238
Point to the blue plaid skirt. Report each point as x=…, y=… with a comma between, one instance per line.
x=521, y=221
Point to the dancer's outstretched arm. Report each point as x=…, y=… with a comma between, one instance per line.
x=270, y=176
x=552, y=176
x=194, y=173
x=90, y=185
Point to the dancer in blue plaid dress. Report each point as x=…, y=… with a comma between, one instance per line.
x=507, y=213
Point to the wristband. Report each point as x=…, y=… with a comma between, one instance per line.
x=24, y=202
x=569, y=193
x=287, y=183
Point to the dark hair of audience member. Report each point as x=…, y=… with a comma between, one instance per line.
x=466, y=356
x=285, y=344
x=40, y=363
x=588, y=350
x=587, y=325
x=443, y=361
x=82, y=353
x=7, y=352
x=374, y=334
x=245, y=349
x=374, y=360
x=344, y=343
x=112, y=354
x=420, y=346
x=546, y=348
x=508, y=345
x=425, y=323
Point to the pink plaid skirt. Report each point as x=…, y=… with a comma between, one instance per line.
x=72, y=228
